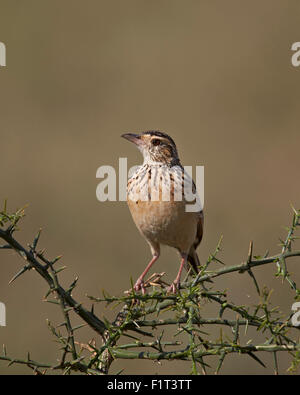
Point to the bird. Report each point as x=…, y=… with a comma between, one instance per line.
x=157, y=201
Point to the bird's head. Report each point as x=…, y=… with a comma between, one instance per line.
x=156, y=147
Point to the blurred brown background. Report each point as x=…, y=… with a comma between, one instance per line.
x=216, y=75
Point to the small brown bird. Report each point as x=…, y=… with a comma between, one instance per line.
x=156, y=196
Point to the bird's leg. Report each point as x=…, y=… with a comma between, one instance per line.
x=174, y=287
x=140, y=281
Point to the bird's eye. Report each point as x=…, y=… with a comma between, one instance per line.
x=155, y=142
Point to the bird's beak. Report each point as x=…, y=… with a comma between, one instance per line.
x=134, y=138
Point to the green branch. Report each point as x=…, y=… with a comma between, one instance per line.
x=157, y=309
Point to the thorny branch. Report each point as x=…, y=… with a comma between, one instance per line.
x=140, y=317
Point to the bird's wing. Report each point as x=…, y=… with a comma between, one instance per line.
x=186, y=180
x=199, y=233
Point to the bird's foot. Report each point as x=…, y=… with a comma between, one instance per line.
x=174, y=287
x=140, y=286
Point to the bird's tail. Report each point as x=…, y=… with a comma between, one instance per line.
x=193, y=260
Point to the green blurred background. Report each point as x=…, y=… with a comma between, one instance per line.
x=216, y=75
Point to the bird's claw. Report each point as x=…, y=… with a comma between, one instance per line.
x=140, y=286
x=174, y=287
